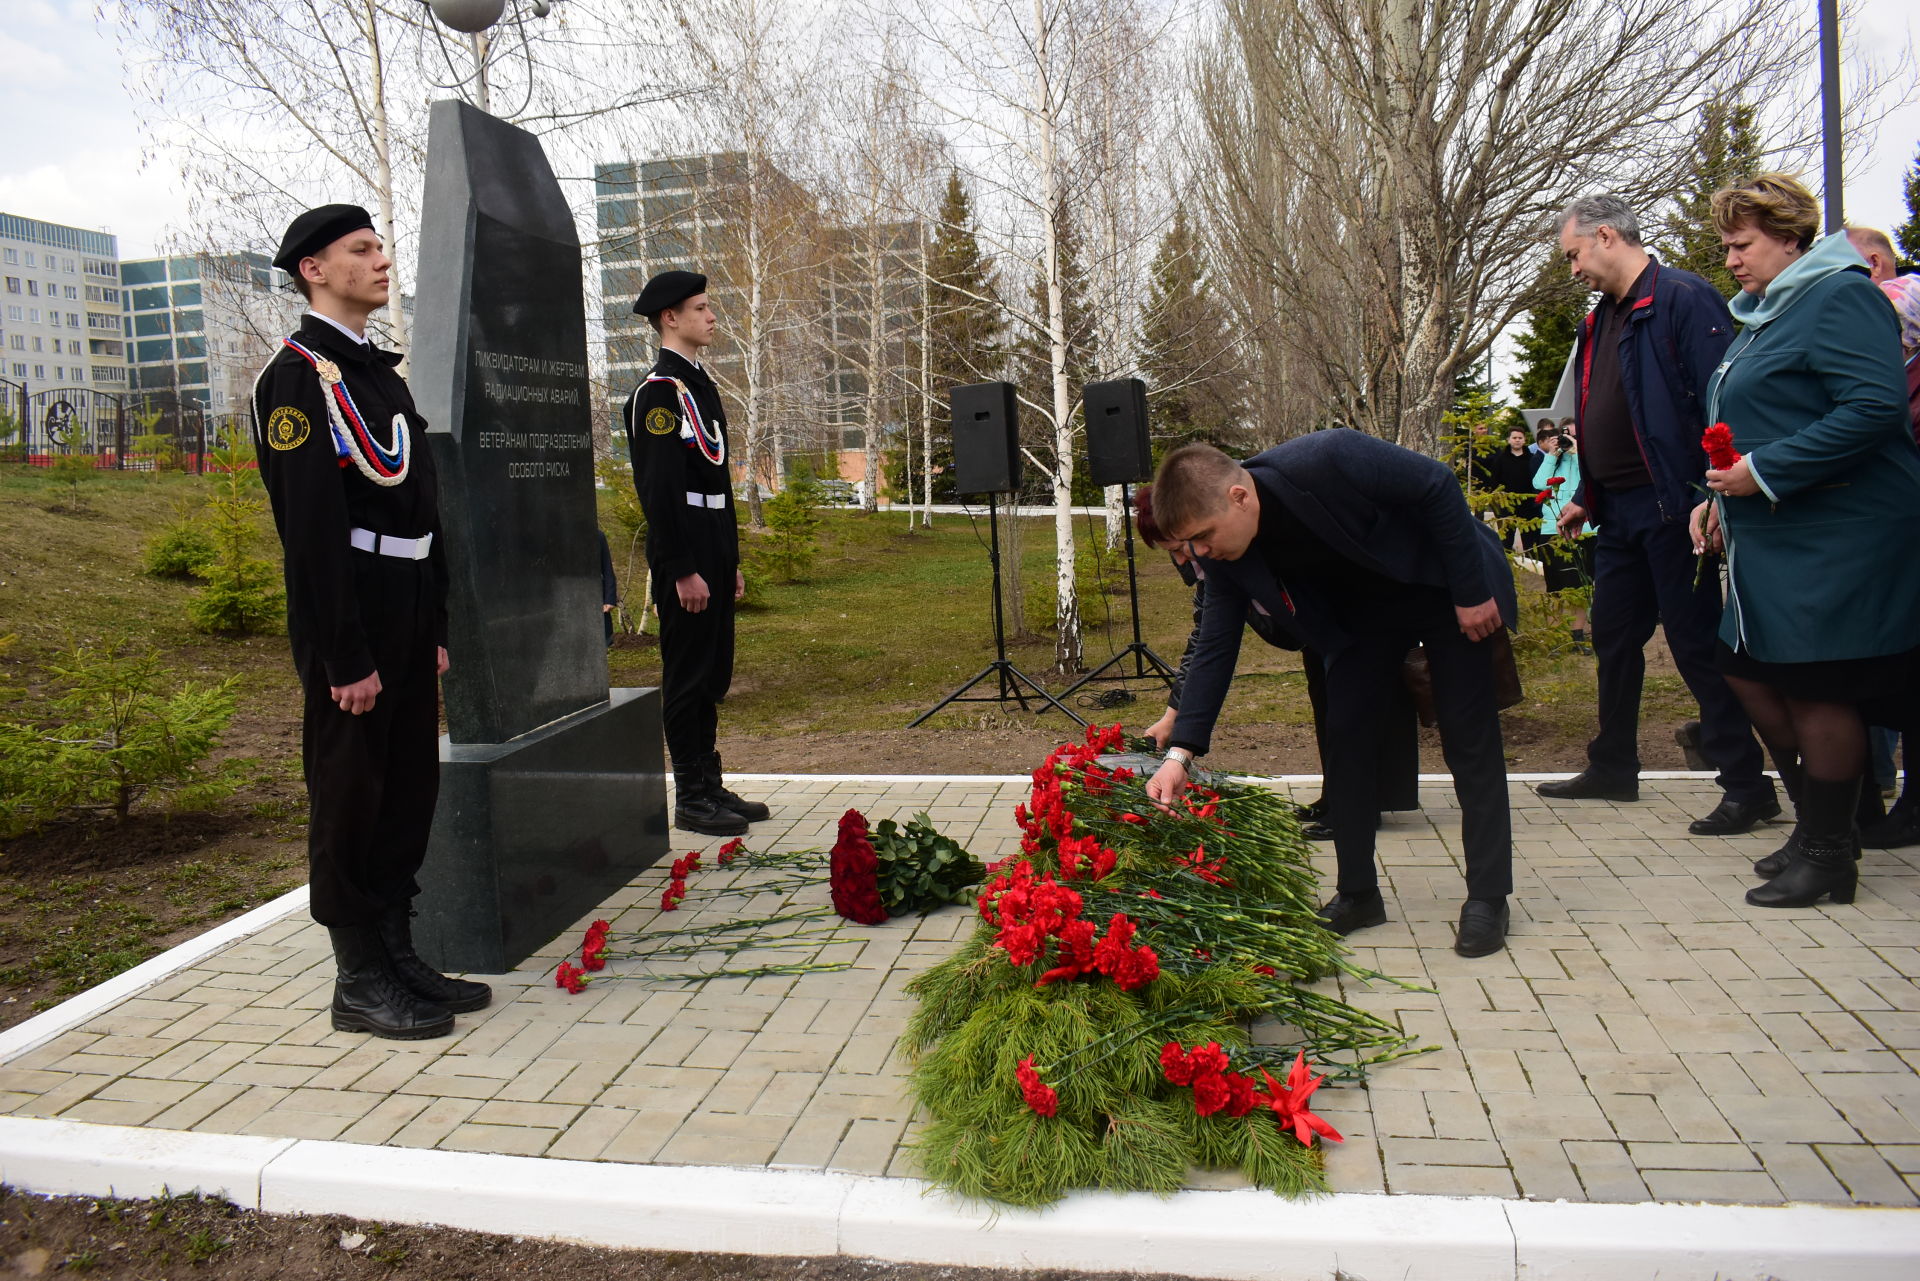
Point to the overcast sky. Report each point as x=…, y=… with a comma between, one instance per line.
x=73, y=147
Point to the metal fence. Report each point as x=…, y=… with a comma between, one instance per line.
x=118, y=431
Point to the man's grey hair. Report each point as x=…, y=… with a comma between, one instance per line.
x=1590, y=213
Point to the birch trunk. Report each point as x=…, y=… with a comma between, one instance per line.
x=1066, y=644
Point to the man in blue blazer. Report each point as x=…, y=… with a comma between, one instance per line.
x=1363, y=549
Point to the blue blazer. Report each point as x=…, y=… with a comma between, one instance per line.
x=1396, y=512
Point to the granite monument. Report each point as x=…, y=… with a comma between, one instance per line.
x=552, y=790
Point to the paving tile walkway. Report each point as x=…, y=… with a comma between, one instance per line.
x=1645, y=1037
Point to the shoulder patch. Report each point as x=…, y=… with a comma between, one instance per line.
x=287, y=428
x=662, y=422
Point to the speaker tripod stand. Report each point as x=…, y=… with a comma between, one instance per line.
x=1146, y=663
x=1011, y=684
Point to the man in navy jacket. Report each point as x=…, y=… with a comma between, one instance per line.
x=1363, y=549
x=1645, y=355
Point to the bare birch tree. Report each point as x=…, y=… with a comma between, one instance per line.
x=1425, y=141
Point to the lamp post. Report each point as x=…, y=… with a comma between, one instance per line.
x=1830, y=111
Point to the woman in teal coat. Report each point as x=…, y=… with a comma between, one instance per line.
x=1819, y=519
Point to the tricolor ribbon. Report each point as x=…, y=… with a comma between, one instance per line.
x=383, y=465
x=712, y=445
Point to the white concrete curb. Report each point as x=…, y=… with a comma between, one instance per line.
x=1645, y=775
x=1241, y=1235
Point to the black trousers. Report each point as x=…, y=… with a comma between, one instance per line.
x=696, y=661
x=1397, y=766
x=1362, y=682
x=372, y=781
x=1644, y=573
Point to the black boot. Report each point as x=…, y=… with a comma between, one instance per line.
x=1900, y=827
x=456, y=996
x=1822, y=865
x=1791, y=777
x=696, y=809
x=369, y=997
x=752, y=811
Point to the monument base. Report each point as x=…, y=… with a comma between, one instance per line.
x=530, y=834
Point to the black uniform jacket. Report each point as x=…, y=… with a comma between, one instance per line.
x=1395, y=513
x=349, y=612
x=679, y=486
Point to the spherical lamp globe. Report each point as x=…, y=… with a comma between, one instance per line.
x=468, y=15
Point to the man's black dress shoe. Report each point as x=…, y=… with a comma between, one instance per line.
x=1730, y=818
x=1317, y=830
x=1483, y=928
x=1343, y=914
x=1590, y=787
x=1900, y=827
x=1314, y=811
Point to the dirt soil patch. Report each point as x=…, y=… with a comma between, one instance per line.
x=186, y=1236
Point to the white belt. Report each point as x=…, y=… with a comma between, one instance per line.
x=705, y=500
x=387, y=545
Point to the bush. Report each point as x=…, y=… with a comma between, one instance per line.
x=793, y=526
x=122, y=736
x=184, y=549
x=243, y=592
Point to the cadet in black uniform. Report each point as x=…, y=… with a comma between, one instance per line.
x=342, y=452
x=677, y=437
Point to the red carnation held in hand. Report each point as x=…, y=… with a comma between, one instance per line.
x=1717, y=440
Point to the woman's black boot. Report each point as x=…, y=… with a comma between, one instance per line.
x=1791, y=778
x=1822, y=862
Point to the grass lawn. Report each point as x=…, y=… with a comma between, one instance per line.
x=828, y=673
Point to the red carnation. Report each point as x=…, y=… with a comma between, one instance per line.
x=1241, y=1096
x=593, y=949
x=731, y=848
x=570, y=977
x=1210, y=1094
x=1037, y=1094
x=1717, y=440
x=1175, y=1064
x=854, y=876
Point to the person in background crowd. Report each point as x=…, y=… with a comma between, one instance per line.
x=1565, y=561
x=1512, y=472
x=609, y=586
x=1644, y=356
x=1901, y=826
x=1541, y=430
x=1819, y=516
x=1399, y=759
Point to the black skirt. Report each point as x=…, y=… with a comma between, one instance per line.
x=1883, y=678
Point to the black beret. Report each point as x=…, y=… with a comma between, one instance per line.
x=315, y=229
x=668, y=289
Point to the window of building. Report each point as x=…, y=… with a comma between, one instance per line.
x=66, y=265
x=30, y=259
x=149, y=299
x=188, y=322
x=190, y=346
x=14, y=313
x=18, y=342
x=73, y=320
x=73, y=346
x=13, y=284
x=38, y=345
x=33, y=289
x=19, y=370
x=143, y=273
x=68, y=291
x=154, y=349
x=53, y=318
x=13, y=257
x=109, y=374
x=193, y=373
x=186, y=295
x=33, y=315
x=152, y=323
x=60, y=371
x=39, y=371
